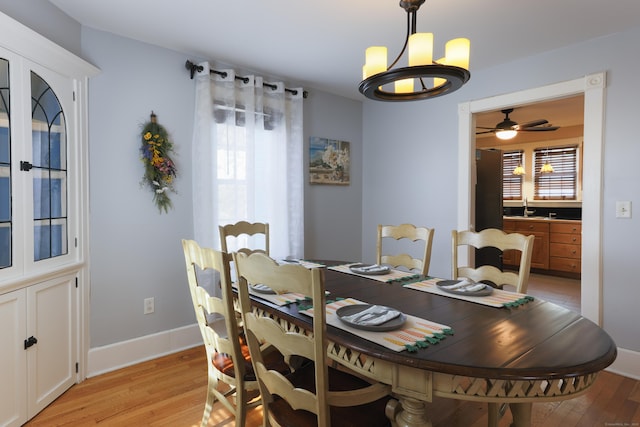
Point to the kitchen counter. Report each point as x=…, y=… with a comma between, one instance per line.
x=541, y=218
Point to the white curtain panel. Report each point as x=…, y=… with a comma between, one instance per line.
x=248, y=159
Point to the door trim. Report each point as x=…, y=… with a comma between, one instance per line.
x=593, y=88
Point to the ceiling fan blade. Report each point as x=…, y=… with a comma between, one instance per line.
x=484, y=127
x=540, y=129
x=532, y=124
x=485, y=131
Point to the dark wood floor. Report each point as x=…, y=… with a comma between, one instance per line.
x=558, y=290
x=170, y=391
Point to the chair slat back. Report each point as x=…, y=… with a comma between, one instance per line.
x=246, y=228
x=492, y=237
x=410, y=232
x=215, y=264
x=258, y=268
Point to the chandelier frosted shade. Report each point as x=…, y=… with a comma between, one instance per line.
x=423, y=77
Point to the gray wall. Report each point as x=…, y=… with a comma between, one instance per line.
x=333, y=212
x=425, y=170
x=135, y=250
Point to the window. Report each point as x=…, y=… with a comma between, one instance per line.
x=511, y=184
x=5, y=169
x=561, y=184
x=49, y=172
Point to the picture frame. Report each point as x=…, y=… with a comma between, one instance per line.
x=329, y=161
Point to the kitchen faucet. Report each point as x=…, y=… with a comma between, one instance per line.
x=526, y=211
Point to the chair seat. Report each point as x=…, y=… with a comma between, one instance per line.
x=368, y=415
x=274, y=360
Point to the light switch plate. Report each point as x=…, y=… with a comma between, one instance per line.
x=623, y=209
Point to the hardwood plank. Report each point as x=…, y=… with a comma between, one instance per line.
x=170, y=391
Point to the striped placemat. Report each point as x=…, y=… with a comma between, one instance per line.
x=393, y=276
x=498, y=297
x=416, y=333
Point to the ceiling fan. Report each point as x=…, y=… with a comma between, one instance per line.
x=508, y=129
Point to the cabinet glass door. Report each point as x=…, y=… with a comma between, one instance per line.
x=5, y=169
x=49, y=145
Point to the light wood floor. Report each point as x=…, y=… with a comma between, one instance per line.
x=170, y=391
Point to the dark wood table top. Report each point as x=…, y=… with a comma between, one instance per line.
x=538, y=340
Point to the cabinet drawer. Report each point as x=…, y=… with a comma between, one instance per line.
x=565, y=264
x=566, y=227
x=564, y=250
x=572, y=239
x=508, y=226
x=524, y=226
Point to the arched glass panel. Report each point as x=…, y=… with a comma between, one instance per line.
x=6, y=248
x=49, y=171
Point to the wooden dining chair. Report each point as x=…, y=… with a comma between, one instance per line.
x=316, y=394
x=244, y=228
x=228, y=356
x=413, y=233
x=495, y=238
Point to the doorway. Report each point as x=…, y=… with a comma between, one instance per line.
x=557, y=125
x=593, y=88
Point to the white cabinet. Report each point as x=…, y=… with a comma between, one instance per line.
x=37, y=347
x=44, y=245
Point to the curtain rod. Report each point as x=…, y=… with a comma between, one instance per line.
x=194, y=67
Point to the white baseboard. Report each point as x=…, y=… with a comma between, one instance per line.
x=626, y=364
x=126, y=353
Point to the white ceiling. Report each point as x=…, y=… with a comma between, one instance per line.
x=320, y=43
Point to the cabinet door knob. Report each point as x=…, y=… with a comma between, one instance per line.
x=29, y=342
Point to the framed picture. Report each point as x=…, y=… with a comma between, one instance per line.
x=328, y=161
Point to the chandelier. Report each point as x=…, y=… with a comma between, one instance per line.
x=424, y=78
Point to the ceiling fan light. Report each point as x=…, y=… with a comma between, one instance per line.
x=506, y=134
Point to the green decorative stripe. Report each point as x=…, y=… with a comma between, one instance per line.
x=518, y=302
x=411, y=348
x=405, y=279
x=424, y=344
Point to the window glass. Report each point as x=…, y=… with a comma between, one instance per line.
x=561, y=182
x=6, y=247
x=49, y=145
x=511, y=183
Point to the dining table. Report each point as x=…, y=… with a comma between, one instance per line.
x=505, y=348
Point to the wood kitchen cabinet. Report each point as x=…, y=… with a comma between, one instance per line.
x=557, y=245
x=540, y=230
x=566, y=247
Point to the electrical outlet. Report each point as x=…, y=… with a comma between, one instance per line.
x=623, y=209
x=149, y=305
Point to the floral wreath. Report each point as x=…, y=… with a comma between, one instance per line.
x=159, y=169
